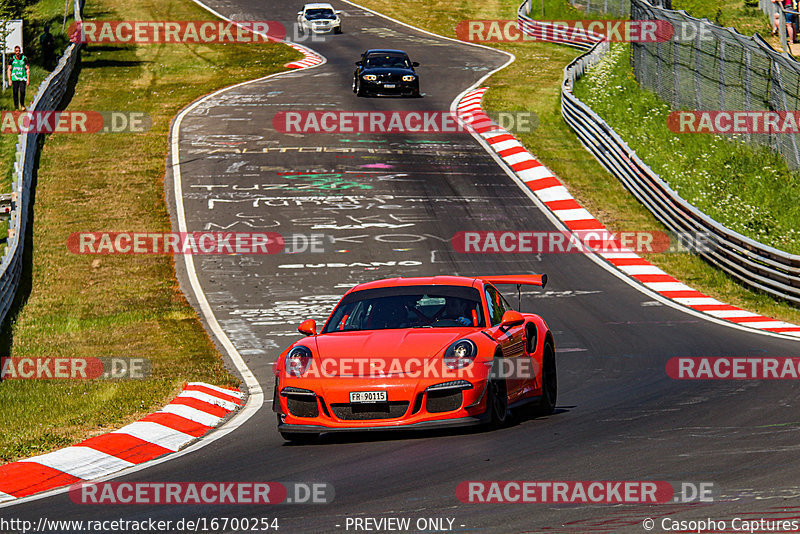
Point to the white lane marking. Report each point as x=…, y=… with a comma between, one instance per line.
x=157, y=434
x=192, y=414
x=224, y=391
x=255, y=399
x=82, y=462
x=210, y=399
x=651, y=289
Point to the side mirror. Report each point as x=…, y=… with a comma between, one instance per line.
x=299, y=13
x=338, y=12
x=359, y=63
x=309, y=327
x=415, y=64
x=511, y=318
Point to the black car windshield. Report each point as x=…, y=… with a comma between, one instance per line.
x=319, y=14
x=429, y=306
x=387, y=61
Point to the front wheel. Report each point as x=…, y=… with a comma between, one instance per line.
x=337, y=30
x=549, y=381
x=358, y=89
x=497, y=397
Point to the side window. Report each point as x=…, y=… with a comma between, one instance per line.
x=497, y=305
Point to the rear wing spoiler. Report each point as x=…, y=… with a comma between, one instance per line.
x=517, y=279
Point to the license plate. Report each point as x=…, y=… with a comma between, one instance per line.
x=368, y=396
x=389, y=85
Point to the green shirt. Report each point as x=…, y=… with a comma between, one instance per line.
x=18, y=73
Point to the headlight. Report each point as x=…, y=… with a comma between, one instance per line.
x=460, y=354
x=298, y=360
x=409, y=78
x=370, y=77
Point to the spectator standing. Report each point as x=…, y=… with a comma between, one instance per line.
x=791, y=19
x=19, y=75
x=48, y=47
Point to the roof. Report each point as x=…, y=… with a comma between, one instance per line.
x=419, y=281
x=385, y=51
x=317, y=6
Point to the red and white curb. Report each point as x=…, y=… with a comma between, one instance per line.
x=309, y=60
x=193, y=413
x=549, y=189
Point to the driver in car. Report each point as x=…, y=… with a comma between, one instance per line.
x=458, y=310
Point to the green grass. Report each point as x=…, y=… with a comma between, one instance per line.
x=116, y=306
x=532, y=83
x=35, y=17
x=746, y=18
x=750, y=190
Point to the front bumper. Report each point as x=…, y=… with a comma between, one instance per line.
x=322, y=28
x=400, y=87
x=424, y=425
x=322, y=406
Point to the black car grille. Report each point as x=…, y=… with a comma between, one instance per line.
x=380, y=410
x=303, y=406
x=443, y=401
x=390, y=77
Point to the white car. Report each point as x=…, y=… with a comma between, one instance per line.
x=319, y=18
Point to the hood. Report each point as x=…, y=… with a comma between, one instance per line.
x=404, y=350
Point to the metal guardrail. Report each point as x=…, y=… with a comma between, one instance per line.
x=48, y=97
x=758, y=265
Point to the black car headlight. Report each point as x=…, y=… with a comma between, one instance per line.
x=460, y=354
x=370, y=77
x=409, y=78
x=298, y=360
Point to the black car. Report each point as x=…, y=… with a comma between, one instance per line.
x=385, y=72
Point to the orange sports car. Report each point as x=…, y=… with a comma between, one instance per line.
x=410, y=353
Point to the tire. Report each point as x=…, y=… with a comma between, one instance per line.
x=549, y=382
x=337, y=30
x=359, y=89
x=497, y=399
x=301, y=30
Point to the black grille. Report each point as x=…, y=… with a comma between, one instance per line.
x=303, y=406
x=390, y=77
x=443, y=401
x=379, y=410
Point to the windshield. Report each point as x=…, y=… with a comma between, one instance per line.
x=407, y=307
x=321, y=13
x=393, y=61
